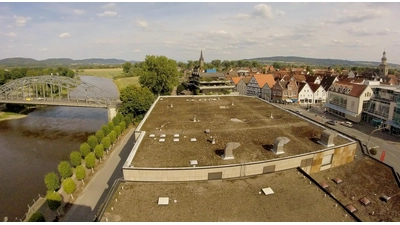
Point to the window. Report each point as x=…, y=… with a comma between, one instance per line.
x=326, y=160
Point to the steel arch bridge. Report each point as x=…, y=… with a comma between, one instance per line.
x=55, y=90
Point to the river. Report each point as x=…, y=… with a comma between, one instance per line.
x=33, y=146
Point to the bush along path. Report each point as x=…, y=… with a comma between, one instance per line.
x=74, y=175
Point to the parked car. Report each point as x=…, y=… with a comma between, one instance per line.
x=298, y=111
x=347, y=124
x=332, y=122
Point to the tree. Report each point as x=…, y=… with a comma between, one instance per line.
x=110, y=125
x=135, y=100
x=128, y=119
x=106, y=143
x=99, y=151
x=216, y=63
x=37, y=217
x=53, y=200
x=99, y=135
x=75, y=158
x=69, y=186
x=80, y=173
x=52, y=181
x=116, y=120
x=277, y=65
x=85, y=149
x=117, y=130
x=65, y=170
x=105, y=129
x=126, y=67
x=113, y=136
x=90, y=161
x=160, y=75
x=122, y=125
x=92, y=141
x=180, y=88
x=226, y=64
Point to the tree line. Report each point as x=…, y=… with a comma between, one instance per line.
x=16, y=73
x=88, y=156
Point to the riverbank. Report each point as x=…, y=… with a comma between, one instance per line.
x=11, y=116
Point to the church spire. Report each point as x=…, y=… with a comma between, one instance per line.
x=201, y=60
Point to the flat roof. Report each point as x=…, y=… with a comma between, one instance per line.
x=233, y=200
x=240, y=119
x=369, y=178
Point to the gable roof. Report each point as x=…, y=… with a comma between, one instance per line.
x=301, y=86
x=354, y=90
x=263, y=79
x=246, y=80
x=314, y=87
x=236, y=80
x=310, y=78
x=327, y=81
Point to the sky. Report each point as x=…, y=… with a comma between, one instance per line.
x=358, y=31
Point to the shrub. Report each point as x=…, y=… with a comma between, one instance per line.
x=92, y=141
x=75, y=158
x=85, y=149
x=105, y=129
x=53, y=200
x=37, y=217
x=52, y=181
x=99, y=136
x=69, y=186
x=65, y=170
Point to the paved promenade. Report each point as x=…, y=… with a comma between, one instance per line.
x=85, y=207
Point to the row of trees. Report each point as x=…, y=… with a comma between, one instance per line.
x=90, y=151
x=16, y=73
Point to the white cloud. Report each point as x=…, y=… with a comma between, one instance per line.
x=263, y=10
x=107, y=13
x=137, y=50
x=64, y=35
x=108, y=6
x=78, y=11
x=43, y=49
x=387, y=31
x=10, y=34
x=306, y=45
x=334, y=41
x=242, y=16
x=280, y=13
x=141, y=23
x=21, y=21
x=102, y=42
x=355, y=16
x=358, y=31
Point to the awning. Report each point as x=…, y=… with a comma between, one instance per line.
x=288, y=100
x=294, y=100
x=340, y=109
x=393, y=124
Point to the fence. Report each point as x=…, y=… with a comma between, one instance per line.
x=31, y=209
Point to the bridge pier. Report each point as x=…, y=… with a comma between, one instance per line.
x=112, y=112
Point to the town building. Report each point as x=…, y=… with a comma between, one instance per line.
x=347, y=100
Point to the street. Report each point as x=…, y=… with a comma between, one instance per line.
x=381, y=140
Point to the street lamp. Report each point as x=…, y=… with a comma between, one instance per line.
x=369, y=137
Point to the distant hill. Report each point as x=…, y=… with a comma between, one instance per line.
x=18, y=61
x=319, y=62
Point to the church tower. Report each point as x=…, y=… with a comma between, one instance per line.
x=383, y=67
x=201, y=60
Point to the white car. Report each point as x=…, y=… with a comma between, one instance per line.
x=347, y=124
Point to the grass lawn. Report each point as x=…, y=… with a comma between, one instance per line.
x=107, y=73
x=10, y=115
x=112, y=73
x=124, y=82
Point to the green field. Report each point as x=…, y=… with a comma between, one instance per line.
x=107, y=73
x=124, y=82
x=112, y=73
